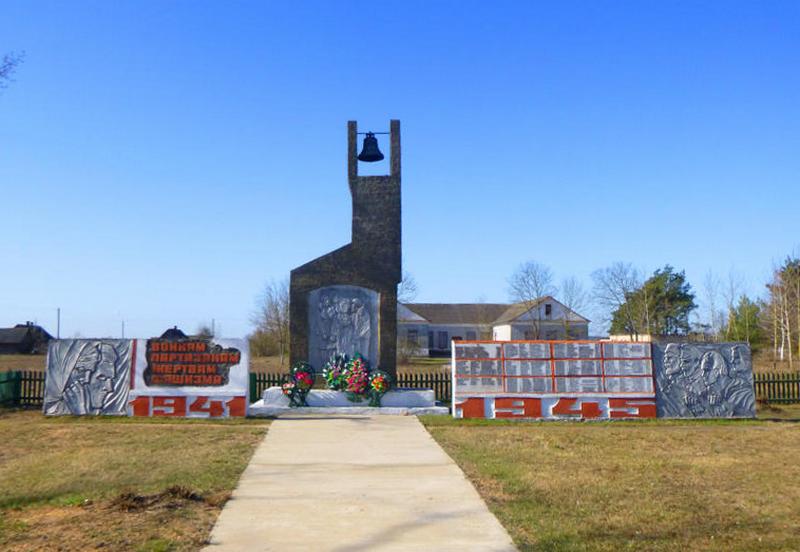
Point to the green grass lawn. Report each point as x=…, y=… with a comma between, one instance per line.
x=117, y=483
x=653, y=485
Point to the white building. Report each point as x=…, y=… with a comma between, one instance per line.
x=429, y=327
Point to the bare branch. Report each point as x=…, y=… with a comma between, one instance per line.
x=530, y=282
x=407, y=290
x=612, y=287
x=8, y=65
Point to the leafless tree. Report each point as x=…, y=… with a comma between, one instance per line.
x=271, y=319
x=407, y=290
x=731, y=293
x=784, y=310
x=530, y=282
x=573, y=296
x=715, y=318
x=8, y=65
x=485, y=315
x=612, y=287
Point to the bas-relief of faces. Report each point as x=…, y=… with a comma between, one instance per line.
x=342, y=323
x=87, y=377
x=92, y=378
x=698, y=380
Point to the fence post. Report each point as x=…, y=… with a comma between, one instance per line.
x=253, y=392
x=17, y=388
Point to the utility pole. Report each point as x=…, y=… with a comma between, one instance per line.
x=213, y=329
x=58, y=323
x=123, y=329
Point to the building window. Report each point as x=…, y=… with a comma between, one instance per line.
x=443, y=342
x=471, y=336
x=548, y=310
x=412, y=337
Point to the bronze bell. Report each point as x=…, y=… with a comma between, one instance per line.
x=370, y=152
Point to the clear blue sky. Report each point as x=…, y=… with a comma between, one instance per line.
x=160, y=161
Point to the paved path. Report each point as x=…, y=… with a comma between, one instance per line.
x=354, y=483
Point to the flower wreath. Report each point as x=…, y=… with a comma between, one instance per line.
x=335, y=372
x=298, y=383
x=379, y=383
x=356, y=378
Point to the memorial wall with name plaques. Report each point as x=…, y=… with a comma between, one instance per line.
x=585, y=380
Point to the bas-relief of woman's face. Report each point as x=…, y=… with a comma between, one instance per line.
x=96, y=369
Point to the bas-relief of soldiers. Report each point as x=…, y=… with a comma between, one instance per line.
x=344, y=322
x=705, y=380
x=87, y=377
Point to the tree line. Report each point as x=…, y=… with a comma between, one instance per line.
x=629, y=301
x=663, y=304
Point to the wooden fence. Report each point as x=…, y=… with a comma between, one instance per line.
x=26, y=388
x=440, y=383
x=778, y=387
x=260, y=381
x=21, y=388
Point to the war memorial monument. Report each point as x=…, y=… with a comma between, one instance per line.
x=343, y=327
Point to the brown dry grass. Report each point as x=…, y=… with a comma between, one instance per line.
x=117, y=483
x=764, y=362
x=268, y=365
x=10, y=363
x=662, y=485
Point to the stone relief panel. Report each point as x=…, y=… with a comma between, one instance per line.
x=344, y=320
x=88, y=376
x=704, y=380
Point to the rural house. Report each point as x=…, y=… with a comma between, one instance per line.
x=24, y=339
x=429, y=327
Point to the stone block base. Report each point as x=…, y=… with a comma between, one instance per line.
x=408, y=402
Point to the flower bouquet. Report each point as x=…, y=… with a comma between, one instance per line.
x=299, y=383
x=356, y=378
x=379, y=384
x=335, y=372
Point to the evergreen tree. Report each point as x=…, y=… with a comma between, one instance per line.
x=660, y=306
x=744, y=323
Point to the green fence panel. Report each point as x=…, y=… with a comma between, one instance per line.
x=10, y=383
x=778, y=387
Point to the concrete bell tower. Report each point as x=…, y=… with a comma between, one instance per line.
x=346, y=300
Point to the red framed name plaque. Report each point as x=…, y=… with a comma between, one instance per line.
x=552, y=380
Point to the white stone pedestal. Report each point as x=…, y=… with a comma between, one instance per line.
x=404, y=402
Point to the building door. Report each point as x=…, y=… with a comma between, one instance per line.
x=443, y=343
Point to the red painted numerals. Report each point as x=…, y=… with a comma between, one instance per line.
x=201, y=405
x=195, y=407
x=632, y=408
x=169, y=406
x=509, y=407
x=567, y=407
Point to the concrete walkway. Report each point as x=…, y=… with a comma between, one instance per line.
x=354, y=483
